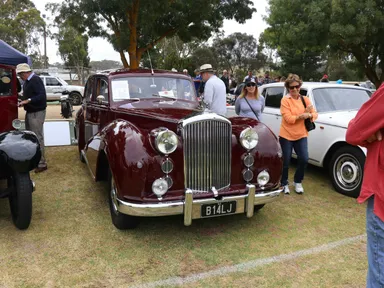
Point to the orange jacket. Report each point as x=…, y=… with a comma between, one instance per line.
x=291, y=128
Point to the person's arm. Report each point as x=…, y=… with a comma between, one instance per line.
x=39, y=89
x=286, y=112
x=237, y=106
x=262, y=103
x=208, y=93
x=311, y=109
x=368, y=121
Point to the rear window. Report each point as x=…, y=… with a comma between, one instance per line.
x=339, y=99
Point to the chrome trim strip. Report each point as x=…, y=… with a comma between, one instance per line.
x=187, y=206
x=86, y=162
x=250, y=200
x=204, y=117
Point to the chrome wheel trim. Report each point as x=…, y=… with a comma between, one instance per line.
x=114, y=197
x=347, y=172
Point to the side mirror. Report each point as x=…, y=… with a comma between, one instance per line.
x=100, y=99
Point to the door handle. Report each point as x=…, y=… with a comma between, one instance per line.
x=277, y=114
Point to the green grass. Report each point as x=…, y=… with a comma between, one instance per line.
x=72, y=243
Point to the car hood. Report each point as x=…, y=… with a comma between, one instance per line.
x=340, y=119
x=161, y=110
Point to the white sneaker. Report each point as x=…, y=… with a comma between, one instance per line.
x=298, y=188
x=286, y=189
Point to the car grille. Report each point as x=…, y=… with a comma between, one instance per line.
x=207, y=154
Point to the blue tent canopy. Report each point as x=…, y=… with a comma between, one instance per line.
x=11, y=56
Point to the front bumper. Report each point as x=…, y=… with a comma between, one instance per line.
x=191, y=209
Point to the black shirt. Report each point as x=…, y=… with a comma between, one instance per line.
x=34, y=89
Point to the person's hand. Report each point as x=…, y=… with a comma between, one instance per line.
x=304, y=116
x=375, y=137
x=309, y=108
x=22, y=103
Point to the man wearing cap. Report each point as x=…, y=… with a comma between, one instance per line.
x=214, y=90
x=35, y=105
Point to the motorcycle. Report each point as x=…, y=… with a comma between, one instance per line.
x=66, y=105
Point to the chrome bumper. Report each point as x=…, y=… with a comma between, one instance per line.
x=192, y=208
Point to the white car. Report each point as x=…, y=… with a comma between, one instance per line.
x=54, y=86
x=336, y=105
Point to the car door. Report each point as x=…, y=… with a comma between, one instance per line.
x=53, y=88
x=96, y=118
x=271, y=114
x=8, y=97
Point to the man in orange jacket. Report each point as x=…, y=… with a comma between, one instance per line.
x=366, y=130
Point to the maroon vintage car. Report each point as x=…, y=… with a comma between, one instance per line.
x=19, y=152
x=144, y=132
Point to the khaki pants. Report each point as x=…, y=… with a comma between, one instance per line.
x=34, y=122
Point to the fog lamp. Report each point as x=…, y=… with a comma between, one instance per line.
x=160, y=187
x=263, y=178
x=248, y=160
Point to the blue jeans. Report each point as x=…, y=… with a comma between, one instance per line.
x=301, y=150
x=375, y=248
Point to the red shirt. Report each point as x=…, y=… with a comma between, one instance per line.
x=367, y=122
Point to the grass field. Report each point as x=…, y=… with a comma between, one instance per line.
x=72, y=243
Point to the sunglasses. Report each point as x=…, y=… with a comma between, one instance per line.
x=251, y=84
x=293, y=87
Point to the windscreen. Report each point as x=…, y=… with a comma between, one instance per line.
x=152, y=87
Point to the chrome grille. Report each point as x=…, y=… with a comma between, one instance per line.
x=207, y=153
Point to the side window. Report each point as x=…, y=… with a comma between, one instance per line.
x=102, y=88
x=89, y=90
x=50, y=81
x=5, y=82
x=273, y=97
x=303, y=92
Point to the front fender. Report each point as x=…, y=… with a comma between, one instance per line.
x=128, y=153
x=20, y=150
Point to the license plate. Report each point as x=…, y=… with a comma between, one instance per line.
x=218, y=209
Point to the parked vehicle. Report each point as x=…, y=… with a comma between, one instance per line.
x=336, y=104
x=19, y=152
x=55, y=85
x=142, y=131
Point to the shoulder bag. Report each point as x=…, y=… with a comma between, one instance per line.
x=245, y=97
x=309, y=125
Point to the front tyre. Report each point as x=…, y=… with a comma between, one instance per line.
x=75, y=98
x=120, y=220
x=20, y=199
x=346, y=170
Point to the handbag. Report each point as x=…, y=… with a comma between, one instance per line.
x=252, y=108
x=309, y=125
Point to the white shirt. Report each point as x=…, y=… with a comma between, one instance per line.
x=215, y=95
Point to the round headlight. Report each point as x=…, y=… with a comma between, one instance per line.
x=166, y=141
x=263, y=178
x=160, y=187
x=249, y=138
x=167, y=166
x=16, y=123
x=249, y=160
x=247, y=175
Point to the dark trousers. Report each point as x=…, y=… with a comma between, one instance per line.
x=301, y=150
x=35, y=122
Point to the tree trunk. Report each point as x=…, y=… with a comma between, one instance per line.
x=123, y=59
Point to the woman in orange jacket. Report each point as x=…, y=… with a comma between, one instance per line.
x=293, y=133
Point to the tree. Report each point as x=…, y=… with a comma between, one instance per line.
x=20, y=24
x=301, y=31
x=239, y=51
x=138, y=25
x=105, y=64
x=73, y=48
